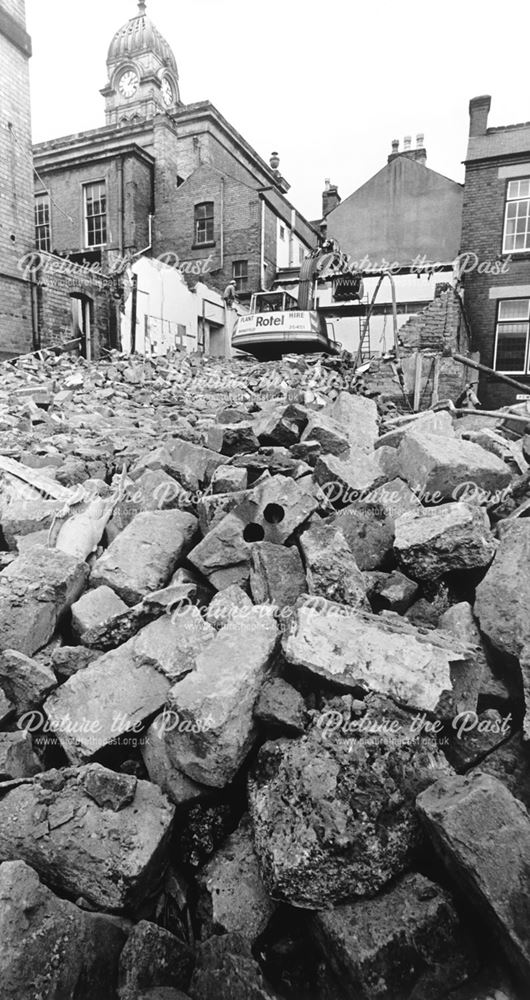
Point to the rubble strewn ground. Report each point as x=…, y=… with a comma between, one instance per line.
x=264, y=687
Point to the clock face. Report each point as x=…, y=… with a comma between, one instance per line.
x=129, y=83
x=167, y=92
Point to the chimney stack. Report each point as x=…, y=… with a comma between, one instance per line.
x=478, y=114
x=330, y=197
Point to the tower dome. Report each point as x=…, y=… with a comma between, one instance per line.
x=142, y=72
x=138, y=36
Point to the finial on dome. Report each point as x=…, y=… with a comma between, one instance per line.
x=141, y=6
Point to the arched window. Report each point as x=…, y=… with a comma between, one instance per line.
x=204, y=220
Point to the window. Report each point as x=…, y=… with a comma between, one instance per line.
x=42, y=222
x=240, y=273
x=517, y=217
x=511, y=341
x=95, y=214
x=282, y=232
x=204, y=222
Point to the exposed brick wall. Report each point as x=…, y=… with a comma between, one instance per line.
x=67, y=207
x=16, y=188
x=439, y=327
x=482, y=232
x=55, y=292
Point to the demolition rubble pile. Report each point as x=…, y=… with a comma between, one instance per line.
x=264, y=688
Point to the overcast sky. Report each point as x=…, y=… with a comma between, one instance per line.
x=327, y=84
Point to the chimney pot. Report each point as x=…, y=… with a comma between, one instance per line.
x=420, y=140
x=407, y=141
x=395, y=145
x=478, y=114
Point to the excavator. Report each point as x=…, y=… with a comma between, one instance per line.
x=278, y=323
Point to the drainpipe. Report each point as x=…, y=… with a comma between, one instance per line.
x=262, y=251
x=222, y=223
x=291, y=237
x=134, y=307
x=150, y=247
x=121, y=202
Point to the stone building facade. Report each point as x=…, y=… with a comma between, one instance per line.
x=17, y=317
x=496, y=242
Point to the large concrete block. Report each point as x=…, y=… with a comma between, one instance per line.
x=382, y=653
x=331, y=568
x=357, y=415
x=436, y=540
x=145, y=554
x=503, y=596
x=451, y=469
x=276, y=574
x=369, y=524
x=35, y=591
x=88, y=832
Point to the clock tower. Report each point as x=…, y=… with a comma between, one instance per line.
x=142, y=73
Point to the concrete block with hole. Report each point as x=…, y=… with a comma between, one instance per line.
x=271, y=512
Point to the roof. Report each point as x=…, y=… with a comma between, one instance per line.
x=505, y=140
x=139, y=35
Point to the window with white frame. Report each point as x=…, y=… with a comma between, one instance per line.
x=511, y=339
x=240, y=274
x=43, y=240
x=204, y=222
x=95, y=197
x=517, y=217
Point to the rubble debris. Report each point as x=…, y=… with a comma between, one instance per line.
x=145, y=554
x=80, y=848
x=50, y=947
x=215, y=702
x=231, y=894
x=352, y=649
x=433, y=541
x=333, y=812
x=365, y=941
x=482, y=834
x=35, y=591
x=164, y=523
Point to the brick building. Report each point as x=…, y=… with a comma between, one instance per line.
x=173, y=181
x=496, y=240
x=17, y=319
x=407, y=219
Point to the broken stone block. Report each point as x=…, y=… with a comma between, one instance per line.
x=276, y=574
x=226, y=969
x=203, y=828
x=390, y=591
x=280, y=424
x=346, y=479
x=430, y=423
x=331, y=569
x=191, y=465
x=154, y=490
x=145, y=554
x=6, y=708
x=228, y=479
x=117, y=692
x=95, y=607
x=271, y=512
x=81, y=848
x=226, y=604
x=232, y=897
x=333, y=812
x=467, y=677
x=215, y=702
x=177, y=786
x=35, y=591
x=369, y=524
x=232, y=439
x=17, y=759
x=271, y=461
x=330, y=434
x=24, y=517
x=473, y=737
x=383, y=653
x=436, y=540
x=25, y=682
x=503, y=596
x=366, y=942
x=509, y=762
x=281, y=707
x=451, y=469
x=212, y=509
x=50, y=947
x=357, y=415
x=152, y=957
x=482, y=834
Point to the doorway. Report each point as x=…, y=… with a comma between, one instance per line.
x=82, y=312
